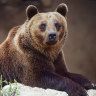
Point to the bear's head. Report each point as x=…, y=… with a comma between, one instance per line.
x=48, y=30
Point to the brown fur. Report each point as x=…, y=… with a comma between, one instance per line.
x=26, y=57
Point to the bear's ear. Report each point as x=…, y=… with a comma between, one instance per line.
x=62, y=9
x=31, y=10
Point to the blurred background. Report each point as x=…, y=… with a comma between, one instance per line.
x=80, y=46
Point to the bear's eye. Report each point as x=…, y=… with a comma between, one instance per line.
x=43, y=27
x=58, y=26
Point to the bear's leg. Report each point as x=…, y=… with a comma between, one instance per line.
x=47, y=79
x=61, y=69
x=83, y=81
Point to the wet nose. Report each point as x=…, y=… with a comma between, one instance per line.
x=52, y=36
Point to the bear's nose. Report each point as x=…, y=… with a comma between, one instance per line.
x=52, y=36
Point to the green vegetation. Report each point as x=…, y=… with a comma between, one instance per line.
x=11, y=90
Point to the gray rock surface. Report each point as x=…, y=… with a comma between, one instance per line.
x=91, y=92
x=29, y=91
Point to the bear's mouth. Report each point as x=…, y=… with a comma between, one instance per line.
x=51, y=42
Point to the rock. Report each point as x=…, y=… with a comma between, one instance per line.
x=29, y=91
x=91, y=92
x=22, y=90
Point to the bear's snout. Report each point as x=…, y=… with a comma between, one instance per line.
x=52, y=38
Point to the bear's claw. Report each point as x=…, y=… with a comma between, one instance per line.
x=94, y=86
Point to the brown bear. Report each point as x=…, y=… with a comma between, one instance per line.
x=32, y=53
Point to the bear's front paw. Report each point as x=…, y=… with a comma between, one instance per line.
x=76, y=91
x=93, y=85
x=80, y=92
x=90, y=86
